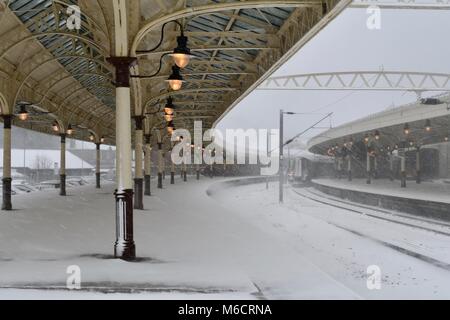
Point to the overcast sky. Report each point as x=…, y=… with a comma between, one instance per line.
x=409, y=40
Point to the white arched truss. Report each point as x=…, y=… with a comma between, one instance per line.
x=361, y=80
x=273, y=46
x=212, y=8
x=402, y=4
x=4, y=107
x=183, y=92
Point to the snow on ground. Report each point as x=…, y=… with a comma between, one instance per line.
x=326, y=236
x=236, y=244
x=427, y=190
x=30, y=294
x=186, y=242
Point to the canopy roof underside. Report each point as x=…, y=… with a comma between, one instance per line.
x=62, y=73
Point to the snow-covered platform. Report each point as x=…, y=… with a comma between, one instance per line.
x=428, y=199
x=189, y=246
x=345, y=240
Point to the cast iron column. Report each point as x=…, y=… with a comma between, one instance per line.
x=369, y=169
x=164, y=164
x=375, y=167
x=280, y=187
x=349, y=169
x=97, y=167
x=403, y=171
x=391, y=166
x=172, y=173
x=339, y=167
x=138, y=174
x=7, y=179
x=160, y=165
x=124, y=247
x=62, y=169
x=418, y=176
x=225, y=162
x=148, y=165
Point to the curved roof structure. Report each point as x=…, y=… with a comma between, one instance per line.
x=61, y=73
x=385, y=130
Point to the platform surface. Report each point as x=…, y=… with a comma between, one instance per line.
x=188, y=245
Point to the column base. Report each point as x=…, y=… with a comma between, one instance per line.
x=125, y=250
x=160, y=180
x=7, y=192
x=124, y=247
x=147, y=191
x=62, y=187
x=198, y=175
x=369, y=178
x=138, y=193
x=403, y=182
x=172, y=178
x=184, y=176
x=350, y=177
x=418, y=178
x=97, y=180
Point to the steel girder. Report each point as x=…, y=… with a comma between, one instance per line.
x=238, y=44
x=229, y=57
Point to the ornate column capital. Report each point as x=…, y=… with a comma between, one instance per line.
x=148, y=139
x=122, y=65
x=7, y=120
x=139, y=120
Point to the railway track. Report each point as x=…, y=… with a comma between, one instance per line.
x=389, y=212
x=436, y=227
x=377, y=213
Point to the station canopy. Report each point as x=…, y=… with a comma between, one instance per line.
x=62, y=74
x=410, y=126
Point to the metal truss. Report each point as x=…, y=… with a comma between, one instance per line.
x=238, y=45
x=361, y=80
x=403, y=4
x=230, y=58
x=70, y=60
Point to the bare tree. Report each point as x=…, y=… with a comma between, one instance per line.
x=42, y=162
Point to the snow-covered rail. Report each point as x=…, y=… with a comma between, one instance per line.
x=435, y=227
x=426, y=201
x=391, y=216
